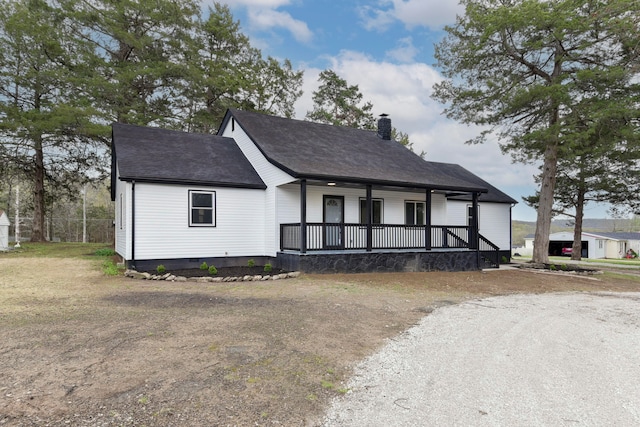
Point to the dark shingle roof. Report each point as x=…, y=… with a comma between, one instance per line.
x=158, y=155
x=492, y=195
x=318, y=151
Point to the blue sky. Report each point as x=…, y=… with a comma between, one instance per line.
x=386, y=48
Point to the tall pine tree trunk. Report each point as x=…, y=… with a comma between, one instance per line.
x=545, y=206
x=576, y=251
x=37, y=226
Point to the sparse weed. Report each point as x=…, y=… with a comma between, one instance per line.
x=110, y=269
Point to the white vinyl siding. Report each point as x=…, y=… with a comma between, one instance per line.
x=272, y=176
x=162, y=228
x=494, y=220
x=393, y=204
x=123, y=208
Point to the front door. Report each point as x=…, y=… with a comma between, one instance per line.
x=333, y=222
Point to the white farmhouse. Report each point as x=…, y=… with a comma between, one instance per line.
x=300, y=195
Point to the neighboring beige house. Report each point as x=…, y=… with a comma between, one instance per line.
x=594, y=245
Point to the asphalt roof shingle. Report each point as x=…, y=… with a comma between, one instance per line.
x=160, y=155
x=312, y=150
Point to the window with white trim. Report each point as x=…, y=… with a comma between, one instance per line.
x=377, y=211
x=202, y=208
x=121, y=212
x=414, y=213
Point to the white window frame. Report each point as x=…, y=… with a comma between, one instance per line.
x=211, y=208
x=121, y=212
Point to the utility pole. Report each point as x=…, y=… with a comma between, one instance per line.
x=17, y=216
x=84, y=214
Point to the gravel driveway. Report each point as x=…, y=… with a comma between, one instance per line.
x=569, y=359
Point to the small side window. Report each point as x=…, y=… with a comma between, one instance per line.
x=121, y=212
x=202, y=208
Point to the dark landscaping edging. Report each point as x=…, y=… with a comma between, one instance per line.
x=208, y=279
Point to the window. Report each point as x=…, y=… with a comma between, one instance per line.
x=121, y=212
x=414, y=213
x=377, y=211
x=202, y=206
x=470, y=215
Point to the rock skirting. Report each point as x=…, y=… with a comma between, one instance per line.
x=209, y=279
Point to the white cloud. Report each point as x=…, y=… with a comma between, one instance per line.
x=375, y=19
x=403, y=91
x=405, y=51
x=271, y=4
x=266, y=19
x=433, y=14
x=264, y=16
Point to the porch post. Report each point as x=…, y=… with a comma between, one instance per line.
x=369, y=219
x=427, y=220
x=474, y=234
x=303, y=216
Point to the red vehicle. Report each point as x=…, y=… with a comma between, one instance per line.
x=567, y=251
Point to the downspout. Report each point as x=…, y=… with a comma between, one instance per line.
x=133, y=225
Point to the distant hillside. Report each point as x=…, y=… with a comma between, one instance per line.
x=522, y=228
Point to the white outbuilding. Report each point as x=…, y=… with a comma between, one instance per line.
x=4, y=231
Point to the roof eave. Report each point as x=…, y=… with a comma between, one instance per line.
x=401, y=184
x=147, y=180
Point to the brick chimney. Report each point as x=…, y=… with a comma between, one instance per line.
x=384, y=127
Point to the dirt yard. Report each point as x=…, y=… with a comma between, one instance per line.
x=81, y=348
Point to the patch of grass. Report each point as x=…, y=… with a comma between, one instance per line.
x=630, y=277
x=327, y=385
x=54, y=250
x=104, y=252
x=110, y=269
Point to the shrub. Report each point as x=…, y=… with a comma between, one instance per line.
x=251, y=263
x=213, y=270
x=552, y=267
x=504, y=259
x=105, y=252
x=160, y=269
x=204, y=266
x=564, y=267
x=268, y=268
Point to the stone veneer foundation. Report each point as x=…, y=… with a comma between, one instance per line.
x=367, y=262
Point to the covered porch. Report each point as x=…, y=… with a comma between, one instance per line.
x=370, y=245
